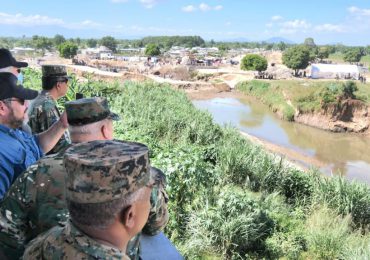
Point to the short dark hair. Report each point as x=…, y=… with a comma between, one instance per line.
x=49, y=83
x=101, y=215
x=95, y=215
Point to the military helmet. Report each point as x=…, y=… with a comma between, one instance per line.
x=88, y=110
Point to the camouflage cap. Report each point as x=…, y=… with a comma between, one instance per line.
x=102, y=171
x=54, y=71
x=88, y=110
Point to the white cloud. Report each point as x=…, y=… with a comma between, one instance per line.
x=39, y=20
x=327, y=27
x=119, y=1
x=269, y=25
x=149, y=3
x=358, y=11
x=218, y=7
x=296, y=24
x=90, y=23
x=189, y=8
x=276, y=18
x=204, y=7
x=29, y=20
x=287, y=31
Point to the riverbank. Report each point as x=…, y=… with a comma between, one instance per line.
x=330, y=105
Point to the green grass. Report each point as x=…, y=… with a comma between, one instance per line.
x=228, y=198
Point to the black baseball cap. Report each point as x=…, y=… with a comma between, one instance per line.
x=9, y=89
x=7, y=60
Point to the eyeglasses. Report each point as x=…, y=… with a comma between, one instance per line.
x=64, y=81
x=21, y=101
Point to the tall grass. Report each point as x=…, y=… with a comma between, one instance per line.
x=211, y=172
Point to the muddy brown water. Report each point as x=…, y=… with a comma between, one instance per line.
x=345, y=154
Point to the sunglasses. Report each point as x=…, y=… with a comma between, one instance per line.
x=19, y=100
x=19, y=70
x=64, y=81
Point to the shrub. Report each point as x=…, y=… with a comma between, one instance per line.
x=67, y=49
x=297, y=186
x=253, y=62
x=235, y=226
x=348, y=89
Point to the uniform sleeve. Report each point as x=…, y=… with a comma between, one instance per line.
x=14, y=223
x=42, y=118
x=158, y=215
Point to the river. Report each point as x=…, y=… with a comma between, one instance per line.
x=336, y=153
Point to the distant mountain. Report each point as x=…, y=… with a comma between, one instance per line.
x=278, y=39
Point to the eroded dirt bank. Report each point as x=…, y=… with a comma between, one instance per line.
x=347, y=116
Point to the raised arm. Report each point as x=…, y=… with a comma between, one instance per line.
x=50, y=137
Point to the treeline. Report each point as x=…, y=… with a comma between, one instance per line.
x=166, y=42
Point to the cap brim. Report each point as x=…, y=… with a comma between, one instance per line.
x=157, y=176
x=114, y=116
x=25, y=93
x=20, y=64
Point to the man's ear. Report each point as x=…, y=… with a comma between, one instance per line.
x=2, y=107
x=104, y=131
x=128, y=217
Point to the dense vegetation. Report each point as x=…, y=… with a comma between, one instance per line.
x=229, y=199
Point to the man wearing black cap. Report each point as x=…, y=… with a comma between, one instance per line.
x=43, y=111
x=18, y=148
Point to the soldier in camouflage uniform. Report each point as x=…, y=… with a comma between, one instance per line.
x=36, y=201
x=108, y=187
x=43, y=111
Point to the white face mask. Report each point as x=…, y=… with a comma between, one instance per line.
x=20, y=78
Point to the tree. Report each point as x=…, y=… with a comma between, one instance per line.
x=58, y=39
x=296, y=58
x=91, y=43
x=67, y=50
x=41, y=43
x=281, y=46
x=253, y=62
x=223, y=47
x=322, y=53
x=309, y=42
x=352, y=55
x=109, y=42
x=152, y=50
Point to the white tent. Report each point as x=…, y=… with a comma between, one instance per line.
x=331, y=71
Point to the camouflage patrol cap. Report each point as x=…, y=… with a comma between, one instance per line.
x=54, y=71
x=102, y=171
x=52, y=74
x=88, y=110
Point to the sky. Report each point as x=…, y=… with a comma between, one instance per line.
x=326, y=21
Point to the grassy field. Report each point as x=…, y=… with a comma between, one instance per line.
x=229, y=199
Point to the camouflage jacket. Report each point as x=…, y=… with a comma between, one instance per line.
x=42, y=114
x=69, y=243
x=36, y=202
